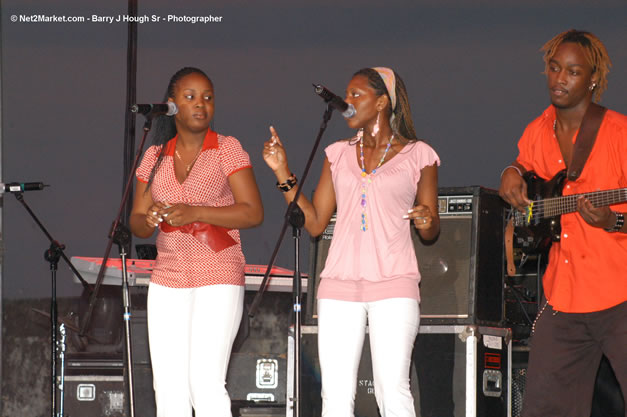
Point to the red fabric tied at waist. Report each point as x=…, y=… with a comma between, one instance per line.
x=216, y=237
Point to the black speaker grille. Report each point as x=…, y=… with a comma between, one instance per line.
x=461, y=272
x=444, y=268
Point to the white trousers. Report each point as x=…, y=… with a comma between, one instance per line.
x=393, y=326
x=191, y=332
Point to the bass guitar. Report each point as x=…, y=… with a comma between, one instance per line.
x=539, y=226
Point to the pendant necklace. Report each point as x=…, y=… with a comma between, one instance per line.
x=188, y=167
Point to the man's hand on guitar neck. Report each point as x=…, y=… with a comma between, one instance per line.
x=513, y=188
x=601, y=217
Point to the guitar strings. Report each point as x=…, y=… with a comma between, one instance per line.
x=551, y=207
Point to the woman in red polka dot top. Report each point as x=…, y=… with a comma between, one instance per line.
x=198, y=188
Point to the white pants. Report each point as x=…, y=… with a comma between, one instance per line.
x=191, y=332
x=393, y=326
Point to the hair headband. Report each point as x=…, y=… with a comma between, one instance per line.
x=387, y=75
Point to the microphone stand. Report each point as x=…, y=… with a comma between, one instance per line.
x=295, y=217
x=52, y=255
x=121, y=236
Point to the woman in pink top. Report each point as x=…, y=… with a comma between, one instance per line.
x=377, y=182
x=198, y=188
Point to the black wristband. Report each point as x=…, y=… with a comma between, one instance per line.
x=289, y=183
x=620, y=221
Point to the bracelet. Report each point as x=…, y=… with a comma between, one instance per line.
x=511, y=166
x=289, y=183
x=620, y=221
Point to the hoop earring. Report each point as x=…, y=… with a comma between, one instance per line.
x=375, y=128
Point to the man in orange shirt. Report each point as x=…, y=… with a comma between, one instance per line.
x=585, y=284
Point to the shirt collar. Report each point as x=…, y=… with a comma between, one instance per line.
x=210, y=142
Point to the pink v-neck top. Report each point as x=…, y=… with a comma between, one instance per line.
x=381, y=262
x=183, y=261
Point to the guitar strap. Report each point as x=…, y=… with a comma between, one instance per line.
x=509, y=247
x=585, y=139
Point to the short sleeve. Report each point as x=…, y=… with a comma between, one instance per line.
x=532, y=143
x=425, y=156
x=232, y=156
x=334, y=150
x=525, y=150
x=148, y=161
x=620, y=136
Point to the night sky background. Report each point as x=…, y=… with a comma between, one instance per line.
x=472, y=68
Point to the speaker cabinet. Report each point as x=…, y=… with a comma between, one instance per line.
x=461, y=271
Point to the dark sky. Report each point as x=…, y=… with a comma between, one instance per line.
x=473, y=72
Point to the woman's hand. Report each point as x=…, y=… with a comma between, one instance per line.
x=178, y=214
x=274, y=153
x=421, y=216
x=153, y=216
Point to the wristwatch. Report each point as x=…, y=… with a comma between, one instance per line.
x=620, y=221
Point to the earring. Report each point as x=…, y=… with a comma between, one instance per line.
x=375, y=128
x=592, y=87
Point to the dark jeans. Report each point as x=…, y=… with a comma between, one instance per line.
x=566, y=350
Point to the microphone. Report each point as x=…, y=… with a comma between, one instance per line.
x=347, y=110
x=169, y=109
x=18, y=187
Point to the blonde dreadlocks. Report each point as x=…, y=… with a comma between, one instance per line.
x=593, y=49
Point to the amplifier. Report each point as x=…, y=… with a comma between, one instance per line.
x=461, y=271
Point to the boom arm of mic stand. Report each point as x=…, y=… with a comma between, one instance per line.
x=290, y=208
x=20, y=198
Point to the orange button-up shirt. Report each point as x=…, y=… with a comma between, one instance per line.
x=587, y=269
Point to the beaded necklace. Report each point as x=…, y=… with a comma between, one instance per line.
x=367, y=178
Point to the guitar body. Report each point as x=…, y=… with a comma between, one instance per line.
x=538, y=232
x=539, y=226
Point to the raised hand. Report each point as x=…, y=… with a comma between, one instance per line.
x=274, y=152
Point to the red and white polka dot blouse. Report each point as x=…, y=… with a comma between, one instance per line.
x=183, y=261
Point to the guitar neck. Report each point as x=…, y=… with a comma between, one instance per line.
x=556, y=206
